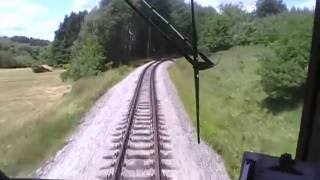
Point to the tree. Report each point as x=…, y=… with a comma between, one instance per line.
x=117, y=24
x=269, y=7
x=7, y=60
x=181, y=17
x=87, y=58
x=104, y=3
x=31, y=41
x=220, y=31
x=144, y=36
x=283, y=73
x=64, y=38
x=123, y=35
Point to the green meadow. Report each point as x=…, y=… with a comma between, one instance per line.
x=39, y=112
x=235, y=115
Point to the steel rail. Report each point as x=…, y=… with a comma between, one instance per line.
x=198, y=64
x=154, y=104
x=154, y=115
x=133, y=106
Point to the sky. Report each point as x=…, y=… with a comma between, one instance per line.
x=40, y=18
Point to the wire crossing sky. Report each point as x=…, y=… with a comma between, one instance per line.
x=40, y=18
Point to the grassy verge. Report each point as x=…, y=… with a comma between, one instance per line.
x=233, y=118
x=24, y=146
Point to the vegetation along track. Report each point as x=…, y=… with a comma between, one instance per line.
x=141, y=145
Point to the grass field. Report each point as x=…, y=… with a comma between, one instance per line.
x=38, y=112
x=22, y=92
x=233, y=116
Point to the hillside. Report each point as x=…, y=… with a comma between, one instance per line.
x=234, y=115
x=19, y=51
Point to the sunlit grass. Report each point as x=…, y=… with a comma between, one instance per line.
x=24, y=146
x=233, y=119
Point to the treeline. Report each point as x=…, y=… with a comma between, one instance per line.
x=31, y=41
x=65, y=37
x=20, y=51
x=112, y=34
x=286, y=32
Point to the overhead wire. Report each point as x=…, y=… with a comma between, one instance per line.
x=197, y=64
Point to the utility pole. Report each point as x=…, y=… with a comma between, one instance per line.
x=195, y=68
x=149, y=42
x=130, y=33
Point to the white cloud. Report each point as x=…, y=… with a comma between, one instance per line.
x=32, y=19
x=22, y=17
x=47, y=28
x=306, y=3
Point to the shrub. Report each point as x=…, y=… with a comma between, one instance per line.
x=284, y=73
x=87, y=59
x=7, y=60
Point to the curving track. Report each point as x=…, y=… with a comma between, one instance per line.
x=94, y=149
x=141, y=145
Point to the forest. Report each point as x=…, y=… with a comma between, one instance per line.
x=20, y=51
x=88, y=43
x=257, y=86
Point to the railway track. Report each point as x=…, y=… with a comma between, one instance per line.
x=141, y=146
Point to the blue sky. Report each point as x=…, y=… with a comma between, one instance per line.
x=37, y=18
x=40, y=18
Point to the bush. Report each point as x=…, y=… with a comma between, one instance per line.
x=233, y=26
x=7, y=60
x=216, y=35
x=87, y=59
x=284, y=73
x=270, y=7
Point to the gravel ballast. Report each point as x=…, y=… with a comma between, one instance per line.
x=82, y=157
